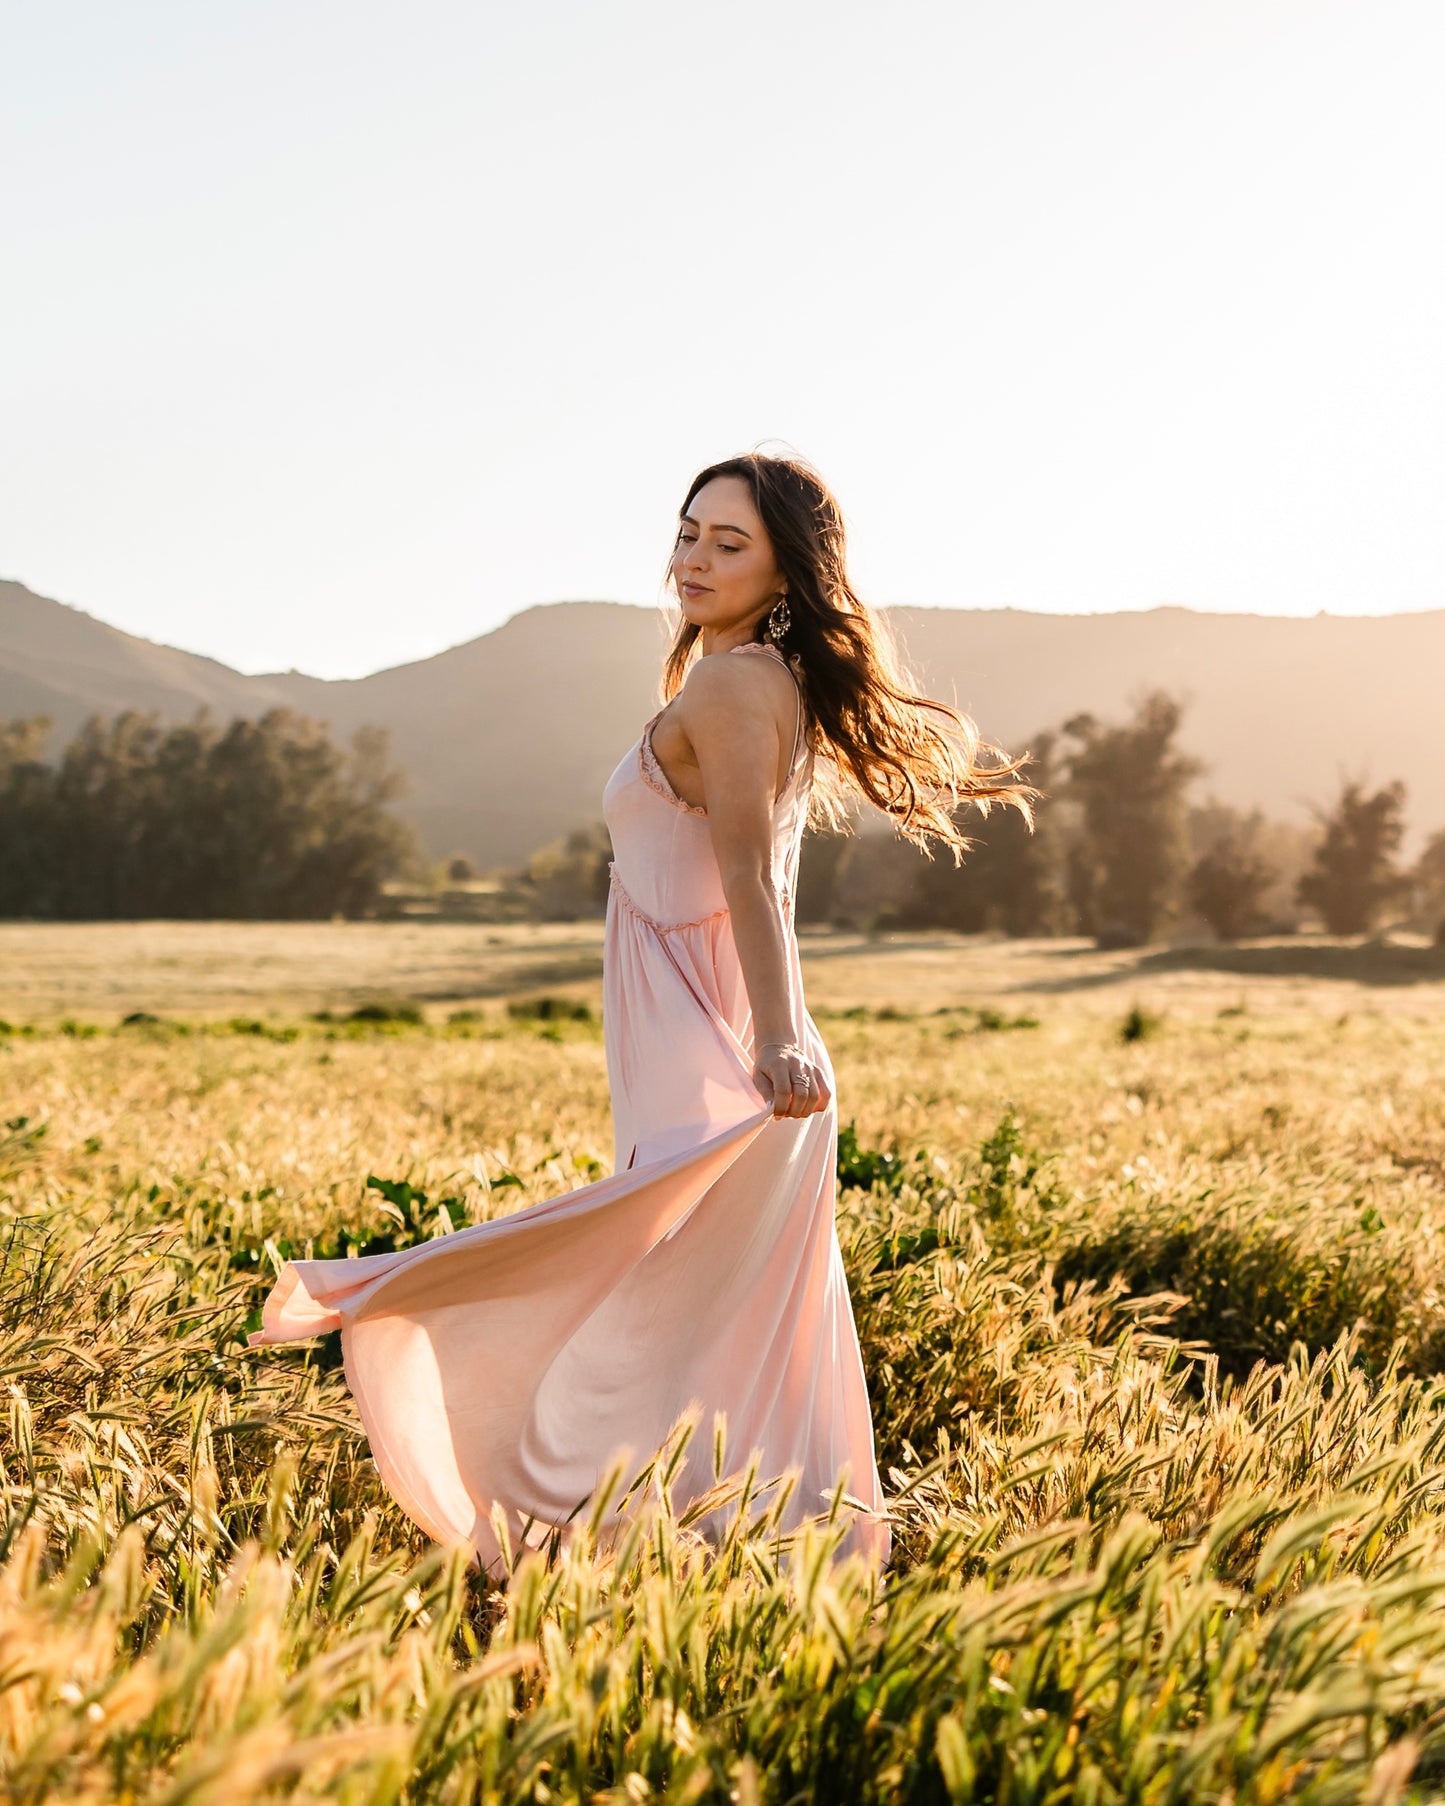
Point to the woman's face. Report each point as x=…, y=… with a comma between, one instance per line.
x=723, y=566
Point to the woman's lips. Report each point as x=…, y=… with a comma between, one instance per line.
x=694, y=589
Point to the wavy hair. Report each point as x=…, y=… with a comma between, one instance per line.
x=918, y=760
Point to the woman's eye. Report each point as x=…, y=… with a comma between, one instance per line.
x=730, y=548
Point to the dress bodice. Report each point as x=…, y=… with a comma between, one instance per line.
x=663, y=858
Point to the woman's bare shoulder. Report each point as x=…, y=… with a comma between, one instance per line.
x=729, y=684
x=730, y=703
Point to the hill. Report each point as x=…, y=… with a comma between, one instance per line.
x=509, y=738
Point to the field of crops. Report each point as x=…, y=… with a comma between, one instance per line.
x=1146, y=1254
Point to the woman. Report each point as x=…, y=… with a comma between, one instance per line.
x=503, y=1365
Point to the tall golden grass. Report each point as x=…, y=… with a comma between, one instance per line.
x=1152, y=1326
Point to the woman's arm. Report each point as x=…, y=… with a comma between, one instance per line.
x=731, y=713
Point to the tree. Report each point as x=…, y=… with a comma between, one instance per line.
x=26, y=806
x=819, y=859
x=570, y=877
x=1354, y=874
x=1011, y=879
x=1228, y=885
x=1428, y=881
x=1127, y=863
x=268, y=819
x=1286, y=849
x=874, y=878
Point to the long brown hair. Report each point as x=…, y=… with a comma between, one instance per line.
x=916, y=759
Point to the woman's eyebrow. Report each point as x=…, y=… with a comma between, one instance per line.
x=721, y=527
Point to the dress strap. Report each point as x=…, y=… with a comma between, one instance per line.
x=767, y=646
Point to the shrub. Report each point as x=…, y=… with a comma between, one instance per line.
x=397, y=1010
x=549, y=1008
x=1140, y=1025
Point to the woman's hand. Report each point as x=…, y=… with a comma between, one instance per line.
x=795, y=1085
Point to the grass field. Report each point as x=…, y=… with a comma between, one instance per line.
x=1146, y=1257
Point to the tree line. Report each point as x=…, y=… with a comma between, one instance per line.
x=1122, y=852
x=270, y=819
x=265, y=819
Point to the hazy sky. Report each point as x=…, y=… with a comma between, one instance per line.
x=332, y=334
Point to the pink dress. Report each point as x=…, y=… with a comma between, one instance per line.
x=505, y=1364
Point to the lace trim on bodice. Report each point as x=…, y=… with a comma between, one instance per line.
x=655, y=777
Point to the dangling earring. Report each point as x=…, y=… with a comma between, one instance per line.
x=778, y=621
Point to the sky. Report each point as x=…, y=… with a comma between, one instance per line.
x=332, y=335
